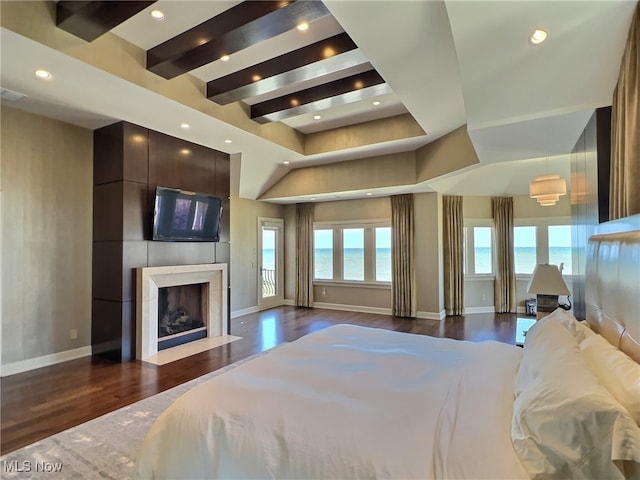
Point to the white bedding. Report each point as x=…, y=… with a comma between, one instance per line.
x=347, y=402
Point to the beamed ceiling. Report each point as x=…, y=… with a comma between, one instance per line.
x=457, y=87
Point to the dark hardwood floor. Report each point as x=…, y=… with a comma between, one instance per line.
x=40, y=403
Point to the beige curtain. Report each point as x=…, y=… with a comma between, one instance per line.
x=453, y=239
x=304, y=254
x=505, y=283
x=403, y=256
x=624, y=196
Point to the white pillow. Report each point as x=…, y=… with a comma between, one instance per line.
x=580, y=330
x=565, y=424
x=616, y=371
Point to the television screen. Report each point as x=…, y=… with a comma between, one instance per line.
x=180, y=215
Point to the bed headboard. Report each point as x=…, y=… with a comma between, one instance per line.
x=613, y=284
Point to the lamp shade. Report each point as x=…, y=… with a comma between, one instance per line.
x=547, y=189
x=547, y=280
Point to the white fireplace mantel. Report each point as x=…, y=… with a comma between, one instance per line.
x=150, y=279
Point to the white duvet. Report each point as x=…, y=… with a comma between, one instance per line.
x=347, y=402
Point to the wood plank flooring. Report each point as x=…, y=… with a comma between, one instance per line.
x=40, y=403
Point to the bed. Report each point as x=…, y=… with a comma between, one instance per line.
x=359, y=402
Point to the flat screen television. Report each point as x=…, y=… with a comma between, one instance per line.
x=182, y=216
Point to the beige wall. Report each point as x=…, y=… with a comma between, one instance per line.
x=46, y=185
x=244, y=242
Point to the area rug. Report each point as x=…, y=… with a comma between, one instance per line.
x=105, y=447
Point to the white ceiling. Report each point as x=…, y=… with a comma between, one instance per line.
x=447, y=62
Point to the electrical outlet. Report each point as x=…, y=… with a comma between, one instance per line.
x=324, y=292
x=73, y=334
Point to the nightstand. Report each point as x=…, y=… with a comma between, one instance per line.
x=522, y=327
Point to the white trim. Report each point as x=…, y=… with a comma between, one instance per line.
x=432, y=315
x=481, y=277
x=244, y=311
x=288, y=301
x=471, y=310
x=353, y=283
x=382, y=222
x=353, y=308
x=45, y=361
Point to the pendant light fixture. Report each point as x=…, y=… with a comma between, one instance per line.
x=546, y=189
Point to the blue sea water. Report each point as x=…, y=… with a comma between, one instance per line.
x=353, y=258
x=525, y=259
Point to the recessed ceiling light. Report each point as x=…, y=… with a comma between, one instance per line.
x=185, y=151
x=358, y=84
x=286, y=162
x=538, y=36
x=224, y=58
x=313, y=198
x=256, y=78
x=317, y=117
x=303, y=26
x=369, y=194
x=294, y=102
x=185, y=125
x=157, y=14
x=44, y=74
x=228, y=141
x=376, y=103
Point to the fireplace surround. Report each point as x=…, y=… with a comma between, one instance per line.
x=150, y=279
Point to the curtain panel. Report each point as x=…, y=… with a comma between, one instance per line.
x=304, y=254
x=403, y=257
x=453, y=239
x=624, y=196
x=505, y=283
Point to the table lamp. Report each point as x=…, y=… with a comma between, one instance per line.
x=547, y=283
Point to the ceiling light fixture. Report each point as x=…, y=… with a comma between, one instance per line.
x=286, y=162
x=224, y=58
x=185, y=125
x=317, y=117
x=44, y=74
x=256, y=78
x=228, y=141
x=547, y=189
x=369, y=194
x=304, y=26
x=157, y=14
x=376, y=102
x=538, y=36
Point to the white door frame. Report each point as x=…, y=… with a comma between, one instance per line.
x=276, y=224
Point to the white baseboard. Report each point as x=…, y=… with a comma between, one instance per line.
x=353, y=308
x=432, y=315
x=44, y=361
x=289, y=302
x=468, y=310
x=244, y=311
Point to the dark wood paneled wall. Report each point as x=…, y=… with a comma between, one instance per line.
x=129, y=162
x=590, y=164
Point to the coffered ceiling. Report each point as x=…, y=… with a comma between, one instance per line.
x=249, y=81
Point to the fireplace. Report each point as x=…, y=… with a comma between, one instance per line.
x=179, y=304
x=181, y=314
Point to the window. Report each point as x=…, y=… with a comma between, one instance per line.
x=560, y=247
x=524, y=243
x=383, y=254
x=352, y=252
x=478, y=249
x=323, y=254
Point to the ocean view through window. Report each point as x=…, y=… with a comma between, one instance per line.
x=353, y=253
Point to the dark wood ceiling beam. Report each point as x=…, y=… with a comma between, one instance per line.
x=278, y=72
x=88, y=20
x=242, y=26
x=337, y=92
